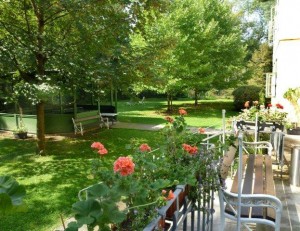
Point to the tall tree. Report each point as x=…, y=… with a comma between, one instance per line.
x=197, y=45
x=62, y=36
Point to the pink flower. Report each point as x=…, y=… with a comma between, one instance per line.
x=102, y=151
x=163, y=192
x=100, y=147
x=169, y=119
x=182, y=111
x=269, y=105
x=97, y=145
x=201, y=130
x=124, y=165
x=145, y=148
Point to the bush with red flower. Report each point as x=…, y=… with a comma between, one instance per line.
x=145, y=179
x=273, y=113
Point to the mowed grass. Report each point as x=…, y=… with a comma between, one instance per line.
x=208, y=113
x=52, y=182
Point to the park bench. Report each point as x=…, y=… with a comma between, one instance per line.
x=252, y=196
x=89, y=122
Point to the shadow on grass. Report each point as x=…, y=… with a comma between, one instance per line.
x=52, y=182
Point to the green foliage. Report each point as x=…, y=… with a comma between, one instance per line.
x=293, y=96
x=270, y=114
x=243, y=94
x=260, y=64
x=52, y=182
x=11, y=195
x=195, y=45
x=180, y=160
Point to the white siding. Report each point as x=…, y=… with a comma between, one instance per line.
x=286, y=49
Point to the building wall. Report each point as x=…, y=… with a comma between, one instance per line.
x=286, y=50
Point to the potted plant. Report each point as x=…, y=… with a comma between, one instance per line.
x=293, y=96
x=21, y=131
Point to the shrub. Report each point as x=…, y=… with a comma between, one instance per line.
x=245, y=93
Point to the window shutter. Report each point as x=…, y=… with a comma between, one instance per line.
x=270, y=85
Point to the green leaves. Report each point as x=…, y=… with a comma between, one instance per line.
x=100, y=208
x=11, y=195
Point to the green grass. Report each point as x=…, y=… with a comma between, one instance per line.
x=207, y=114
x=53, y=181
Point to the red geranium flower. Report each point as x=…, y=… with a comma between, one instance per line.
x=170, y=195
x=169, y=119
x=190, y=149
x=182, y=111
x=102, y=151
x=124, y=165
x=97, y=145
x=145, y=148
x=269, y=105
x=201, y=130
x=279, y=106
x=100, y=147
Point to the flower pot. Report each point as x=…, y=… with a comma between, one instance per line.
x=294, y=131
x=21, y=135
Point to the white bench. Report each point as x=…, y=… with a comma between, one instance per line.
x=80, y=124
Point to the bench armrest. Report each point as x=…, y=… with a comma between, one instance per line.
x=259, y=145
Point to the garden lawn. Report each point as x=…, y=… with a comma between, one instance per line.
x=52, y=182
x=207, y=113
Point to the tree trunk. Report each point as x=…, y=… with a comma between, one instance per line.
x=116, y=100
x=196, y=97
x=40, y=110
x=169, y=103
x=41, y=59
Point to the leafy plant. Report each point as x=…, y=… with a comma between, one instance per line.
x=244, y=93
x=272, y=113
x=11, y=195
x=130, y=192
x=293, y=96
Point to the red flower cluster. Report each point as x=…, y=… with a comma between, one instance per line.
x=169, y=119
x=124, y=165
x=100, y=147
x=201, y=130
x=270, y=105
x=170, y=195
x=190, y=149
x=182, y=111
x=145, y=148
x=279, y=106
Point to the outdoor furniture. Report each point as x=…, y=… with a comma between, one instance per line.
x=252, y=196
x=273, y=129
x=142, y=101
x=81, y=124
x=112, y=117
